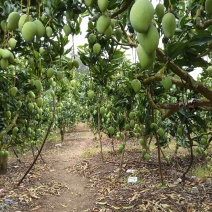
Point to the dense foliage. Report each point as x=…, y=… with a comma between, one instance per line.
x=43, y=82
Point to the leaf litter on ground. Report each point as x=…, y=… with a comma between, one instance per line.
x=114, y=193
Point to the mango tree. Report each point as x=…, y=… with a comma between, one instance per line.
x=34, y=71
x=174, y=97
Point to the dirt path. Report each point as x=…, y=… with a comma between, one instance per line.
x=55, y=184
x=78, y=196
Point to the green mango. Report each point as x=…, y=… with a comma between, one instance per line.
x=38, y=84
x=49, y=31
x=76, y=63
x=39, y=102
x=147, y=156
x=103, y=23
x=92, y=38
x=209, y=70
x=136, y=85
x=29, y=31
x=88, y=2
x=96, y=48
x=59, y=75
x=132, y=115
x=4, y=26
x=102, y=4
x=149, y=40
x=102, y=110
x=50, y=72
x=12, y=43
x=118, y=33
x=208, y=7
x=5, y=53
x=15, y=130
x=141, y=15
x=67, y=29
x=31, y=94
x=13, y=91
x=23, y=19
x=40, y=29
x=4, y=63
x=90, y=94
x=12, y=21
x=146, y=60
x=159, y=10
x=169, y=25
x=166, y=83
x=153, y=126
x=161, y=132
x=111, y=130
x=109, y=31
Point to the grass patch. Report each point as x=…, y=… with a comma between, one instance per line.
x=90, y=152
x=202, y=171
x=53, y=136
x=94, y=151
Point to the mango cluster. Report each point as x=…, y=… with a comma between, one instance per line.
x=104, y=25
x=141, y=15
x=29, y=28
x=6, y=58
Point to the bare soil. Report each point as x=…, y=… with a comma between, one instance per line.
x=72, y=177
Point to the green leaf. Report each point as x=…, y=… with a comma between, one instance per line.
x=200, y=40
x=176, y=49
x=163, y=186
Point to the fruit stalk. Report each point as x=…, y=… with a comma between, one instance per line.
x=28, y=7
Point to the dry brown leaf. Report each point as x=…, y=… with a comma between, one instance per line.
x=189, y=207
x=134, y=197
x=36, y=208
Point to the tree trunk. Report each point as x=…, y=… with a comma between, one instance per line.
x=100, y=136
x=3, y=165
x=122, y=154
x=159, y=159
x=62, y=134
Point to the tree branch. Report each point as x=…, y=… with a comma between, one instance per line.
x=4, y=132
x=189, y=81
x=153, y=105
x=193, y=104
x=131, y=44
x=204, y=25
x=156, y=77
x=127, y=37
x=42, y=145
x=125, y=6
